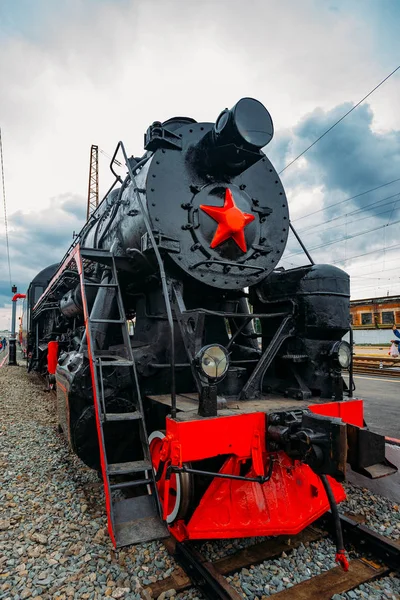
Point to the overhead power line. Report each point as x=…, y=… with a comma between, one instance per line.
x=349, y=237
x=116, y=162
x=343, y=260
x=5, y=208
x=391, y=214
x=347, y=199
x=366, y=279
x=377, y=287
x=380, y=272
x=349, y=258
x=373, y=264
x=357, y=220
x=375, y=204
x=339, y=120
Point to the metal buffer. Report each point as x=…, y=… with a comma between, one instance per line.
x=93, y=188
x=135, y=517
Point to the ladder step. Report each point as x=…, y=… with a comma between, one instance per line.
x=94, y=252
x=126, y=484
x=110, y=285
x=125, y=468
x=137, y=521
x=114, y=363
x=120, y=321
x=96, y=255
x=128, y=416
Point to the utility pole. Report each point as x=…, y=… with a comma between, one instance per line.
x=93, y=188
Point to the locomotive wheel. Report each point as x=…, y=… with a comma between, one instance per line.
x=180, y=487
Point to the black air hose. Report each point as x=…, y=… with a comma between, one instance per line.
x=340, y=557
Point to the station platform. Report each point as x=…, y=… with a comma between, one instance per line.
x=382, y=413
x=373, y=351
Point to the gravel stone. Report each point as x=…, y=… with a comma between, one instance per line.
x=53, y=532
x=381, y=514
x=120, y=592
x=40, y=538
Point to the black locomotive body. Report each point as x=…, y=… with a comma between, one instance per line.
x=169, y=307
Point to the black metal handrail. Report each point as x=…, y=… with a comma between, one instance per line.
x=162, y=273
x=261, y=479
x=352, y=386
x=301, y=244
x=234, y=315
x=225, y=263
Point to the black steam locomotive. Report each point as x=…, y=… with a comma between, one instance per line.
x=202, y=381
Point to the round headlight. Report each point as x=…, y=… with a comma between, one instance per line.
x=248, y=123
x=341, y=352
x=212, y=362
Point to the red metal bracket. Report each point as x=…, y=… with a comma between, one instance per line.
x=257, y=451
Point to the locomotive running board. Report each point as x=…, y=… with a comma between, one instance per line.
x=135, y=518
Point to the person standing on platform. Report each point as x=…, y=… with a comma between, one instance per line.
x=395, y=347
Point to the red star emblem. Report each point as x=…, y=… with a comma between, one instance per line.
x=231, y=222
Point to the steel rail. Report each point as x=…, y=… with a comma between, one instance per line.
x=365, y=539
x=208, y=577
x=203, y=574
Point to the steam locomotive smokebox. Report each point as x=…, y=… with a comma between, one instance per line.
x=215, y=203
x=322, y=295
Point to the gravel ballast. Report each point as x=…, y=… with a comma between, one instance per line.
x=53, y=537
x=53, y=530
x=381, y=515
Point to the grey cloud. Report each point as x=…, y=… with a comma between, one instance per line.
x=39, y=238
x=96, y=72
x=279, y=148
x=352, y=158
x=74, y=205
x=349, y=160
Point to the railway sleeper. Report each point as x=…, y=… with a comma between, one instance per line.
x=323, y=586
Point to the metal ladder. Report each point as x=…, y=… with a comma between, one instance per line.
x=134, y=519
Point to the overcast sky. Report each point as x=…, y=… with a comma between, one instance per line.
x=77, y=72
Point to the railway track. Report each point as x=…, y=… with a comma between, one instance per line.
x=379, y=366
x=208, y=577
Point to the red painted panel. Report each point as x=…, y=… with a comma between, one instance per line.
x=292, y=499
x=52, y=357
x=350, y=411
x=205, y=438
